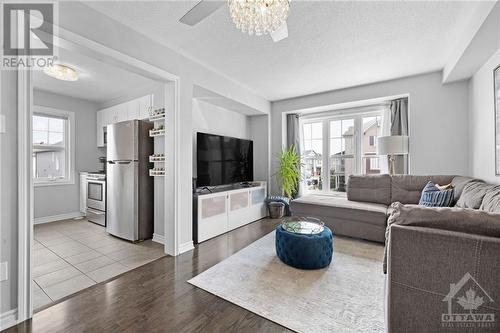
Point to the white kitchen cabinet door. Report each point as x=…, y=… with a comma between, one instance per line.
x=118, y=113
x=106, y=116
x=145, y=104
x=100, y=128
x=122, y=113
x=133, y=109
x=83, y=192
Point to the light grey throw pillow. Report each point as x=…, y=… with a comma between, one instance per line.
x=491, y=200
x=473, y=194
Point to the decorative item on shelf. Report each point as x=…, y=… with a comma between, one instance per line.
x=157, y=158
x=156, y=115
x=157, y=172
x=157, y=131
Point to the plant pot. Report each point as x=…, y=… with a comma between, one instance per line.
x=276, y=210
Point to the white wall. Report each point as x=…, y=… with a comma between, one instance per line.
x=208, y=118
x=481, y=120
x=213, y=119
x=65, y=199
x=438, y=119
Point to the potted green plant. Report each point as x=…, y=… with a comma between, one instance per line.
x=288, y=177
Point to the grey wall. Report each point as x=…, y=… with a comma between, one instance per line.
x=213, y=119
x=482, y=125
x=64, y=199
x=259, y=133
x=8, y=189
x=438, y=119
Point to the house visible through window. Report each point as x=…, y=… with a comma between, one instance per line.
x=51, y=148
x=351, y=146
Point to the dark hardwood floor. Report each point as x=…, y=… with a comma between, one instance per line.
x=157, y=298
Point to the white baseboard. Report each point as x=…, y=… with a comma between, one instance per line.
x=159, y=239
x=53, y=218
x=8, y=319
x=188, y=246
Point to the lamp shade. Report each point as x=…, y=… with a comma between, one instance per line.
x=392, y=145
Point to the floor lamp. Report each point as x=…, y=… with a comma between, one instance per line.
x=391, y=146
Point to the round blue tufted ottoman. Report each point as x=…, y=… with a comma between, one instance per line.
x=304, y=251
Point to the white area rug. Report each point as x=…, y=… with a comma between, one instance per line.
x=348, y=296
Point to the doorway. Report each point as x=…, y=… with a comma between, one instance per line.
x=56, y=240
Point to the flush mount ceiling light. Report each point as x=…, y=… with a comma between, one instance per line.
x=259, y=17
x=61, y=72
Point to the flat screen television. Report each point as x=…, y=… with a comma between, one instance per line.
x=223, y=160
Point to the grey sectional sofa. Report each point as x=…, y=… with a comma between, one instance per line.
x=434, y=256
x=364, y=211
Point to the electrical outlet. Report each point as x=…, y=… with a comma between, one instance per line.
x=4, y=271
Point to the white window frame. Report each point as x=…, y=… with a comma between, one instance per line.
x=325, y=119
x=69, y=143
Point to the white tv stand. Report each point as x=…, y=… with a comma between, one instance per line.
x=226, y=208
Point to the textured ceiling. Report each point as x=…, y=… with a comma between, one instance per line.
x=98, y=82
x=331, y=45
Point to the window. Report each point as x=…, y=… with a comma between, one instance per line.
x=371, y=131
x=312, y=155
x=350, y=148
x=52, y=147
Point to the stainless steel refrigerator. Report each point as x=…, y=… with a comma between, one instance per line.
x=129, y=213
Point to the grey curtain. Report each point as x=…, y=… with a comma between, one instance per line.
x=292, y=131
x=399, y=126
x=293, y=138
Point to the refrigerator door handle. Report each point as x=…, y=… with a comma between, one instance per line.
x=120, y=162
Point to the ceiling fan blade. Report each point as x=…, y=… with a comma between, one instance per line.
x=200, y=11
x=280, y=33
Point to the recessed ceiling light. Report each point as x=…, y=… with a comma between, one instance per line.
x=61, y=72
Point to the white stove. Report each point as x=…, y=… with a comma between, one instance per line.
x=96, y=198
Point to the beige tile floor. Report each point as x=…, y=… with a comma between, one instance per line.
x=72, y=255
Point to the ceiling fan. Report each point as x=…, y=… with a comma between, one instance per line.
x=277, y=8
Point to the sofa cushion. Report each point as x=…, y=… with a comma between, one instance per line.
x=369, y=188
x=459, y=183
x=340, y=207
x=433, y=196
x=491, y=200
x=407, y=189
x=473, y=194
x=445, y=218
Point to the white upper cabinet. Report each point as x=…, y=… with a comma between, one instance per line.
x=145, y=104
x=135, y=109
x=100, y=128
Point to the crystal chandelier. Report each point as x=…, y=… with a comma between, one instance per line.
x=259, y=17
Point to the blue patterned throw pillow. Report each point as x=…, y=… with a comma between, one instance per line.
x=432, y=196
